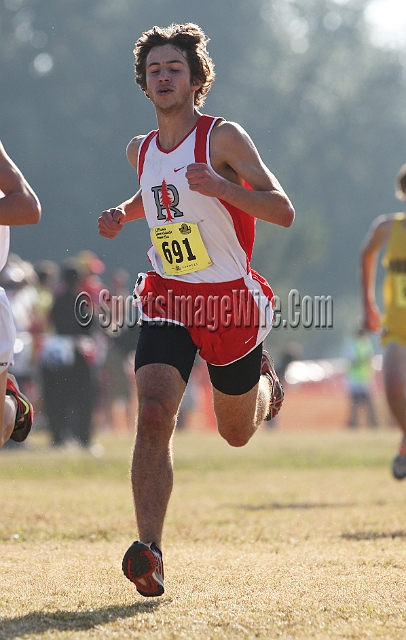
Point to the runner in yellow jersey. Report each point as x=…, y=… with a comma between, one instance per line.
x=389, y=231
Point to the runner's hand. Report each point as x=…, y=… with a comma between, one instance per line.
x=203, y=179
x=111, y=222
x=372, y=318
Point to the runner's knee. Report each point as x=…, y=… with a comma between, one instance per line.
x=236, y=437
x=156, y=413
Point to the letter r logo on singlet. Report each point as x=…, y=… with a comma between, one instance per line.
x=166, y=200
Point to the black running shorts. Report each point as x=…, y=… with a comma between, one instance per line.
x=169, y=343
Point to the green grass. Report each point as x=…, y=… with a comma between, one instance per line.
x=297, y=535
x=202, y=452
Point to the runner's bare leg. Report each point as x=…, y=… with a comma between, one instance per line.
x=238, y=417
x=160, y=389
x=394, y=373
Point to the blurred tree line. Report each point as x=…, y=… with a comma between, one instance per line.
x=323, y=105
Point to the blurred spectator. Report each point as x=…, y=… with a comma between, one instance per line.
x=122, y=332
x=91, y=267
x=359, y=352
x=47, y=277
x=291, y=352
x=68, y=380
x=47, y=273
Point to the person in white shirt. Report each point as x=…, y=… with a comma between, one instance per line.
x=18, y=205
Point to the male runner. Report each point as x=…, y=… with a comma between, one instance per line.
x=203, y=185
x=389, y=231
x=18, y=205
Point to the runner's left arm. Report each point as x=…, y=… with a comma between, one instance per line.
x=235, y=160
x=20, y=204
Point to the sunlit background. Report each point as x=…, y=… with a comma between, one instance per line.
x=388, y=21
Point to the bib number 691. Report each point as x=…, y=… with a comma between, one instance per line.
x=174, y=249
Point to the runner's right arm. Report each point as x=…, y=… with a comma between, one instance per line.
x=112, y=220
x=375, y=239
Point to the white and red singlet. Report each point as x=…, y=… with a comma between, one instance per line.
x=201, y=253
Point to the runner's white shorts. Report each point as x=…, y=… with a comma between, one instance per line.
x=7, y=333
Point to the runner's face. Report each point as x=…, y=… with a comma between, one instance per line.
x=168, y=78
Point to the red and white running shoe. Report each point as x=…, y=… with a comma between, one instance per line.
x=24, y=413
x=277, y=393
x=142, y=564
x=399, y=463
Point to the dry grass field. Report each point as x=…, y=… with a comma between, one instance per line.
x=297, y=535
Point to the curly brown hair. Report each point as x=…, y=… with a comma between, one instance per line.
x=188, y=38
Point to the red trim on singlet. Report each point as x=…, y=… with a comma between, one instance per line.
x=244, y=224
x=146, y=142
x=143, y=150
x=203, y=127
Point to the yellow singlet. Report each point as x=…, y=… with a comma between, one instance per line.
x=394, y=286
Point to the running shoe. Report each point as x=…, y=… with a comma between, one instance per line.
x=277, y=394
x=24, y=413
x=142, y=564
x=399, y=463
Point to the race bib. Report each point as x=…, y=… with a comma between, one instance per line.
x=400, y=284
x=181, y=248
